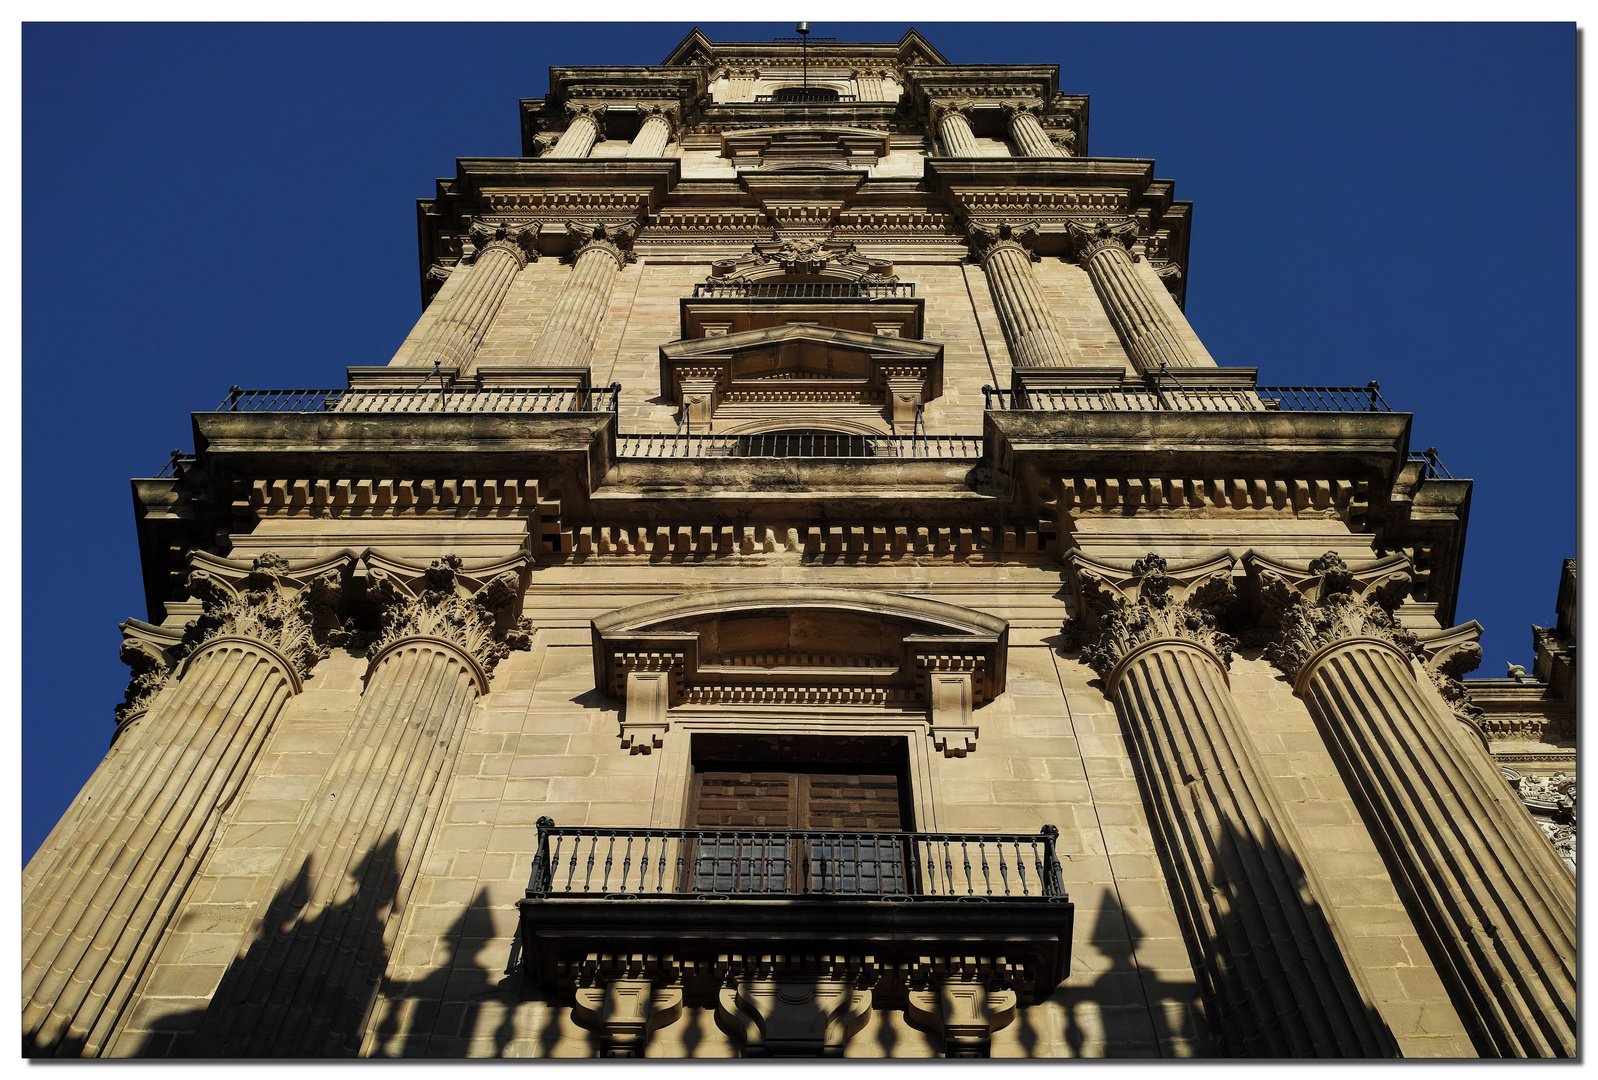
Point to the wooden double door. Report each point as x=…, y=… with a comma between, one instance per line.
x=851, y=812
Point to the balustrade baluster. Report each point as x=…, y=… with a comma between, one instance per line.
x=1020, y=868
x=610, y=852
x=1004, y=872
x=593, y=850
x=554, y=865
x=982, y=854
x=1043, y=877
x=626, y=862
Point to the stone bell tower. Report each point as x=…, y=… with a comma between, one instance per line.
x=803, y=588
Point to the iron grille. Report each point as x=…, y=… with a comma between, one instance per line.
x=1190, y=399
x=808, y=445
x=616, y=863
x=422, y=400
x=803, y=290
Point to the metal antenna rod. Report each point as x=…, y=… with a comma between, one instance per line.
x=804, y=52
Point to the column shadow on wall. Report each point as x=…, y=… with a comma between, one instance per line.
x=305, y=986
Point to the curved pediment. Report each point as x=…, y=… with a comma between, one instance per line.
x=789, y=645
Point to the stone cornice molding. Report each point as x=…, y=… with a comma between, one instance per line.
x=1090, y=238
x=520, y=241
x=1328, y=603
x=294, y=609
x=615, y=240
x=1121, y=609
x=986, y=239
x=475, y=609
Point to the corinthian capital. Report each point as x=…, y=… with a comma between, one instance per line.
x=1327, y=602
x=614, y=240
x=292, y=607
x=521, y=241
x=670, y=112
x=592, y=110
x=151, y=653
x=1012, y=109
x=1121, y=608
x=985, y=239
x=1090, y=238
x=476, y=609
x=939, y=109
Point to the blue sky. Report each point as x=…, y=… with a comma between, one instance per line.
x=205, y=205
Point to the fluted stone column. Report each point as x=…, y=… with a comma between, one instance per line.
x=1275, y=982
x=1028, y=133
x=598, y=254
x=498, y=253
x=91, y=923
x=305, y=986
x=1005, y=252
x=1487, y=888
x=585, y=126
x=954, y=127
x=654, y=135
x=1150, y=337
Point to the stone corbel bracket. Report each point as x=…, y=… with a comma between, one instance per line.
x=1313, y=607
x=294, y=608
x=775, y=1009
x=963, y=1001
x=625, y=998
x=647, y=672
x=955, y=674
x=1121, y=608
x=476, y=608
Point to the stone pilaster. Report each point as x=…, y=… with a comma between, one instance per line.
x=654, y=135
x=498, y=252
x=598, y=253
x=1104, y=250
x=585, y=126
x=1030, y=138
x=1005, y=252
x=94, y=917
x=1270, y=969
x=1486, y=890
x=953, y=121
x=306, y=983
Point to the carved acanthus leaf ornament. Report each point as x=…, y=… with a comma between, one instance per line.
x=293, y=609
x=985, y=238
x=1091, y=238
x=1331, y=603
x=1121, y=609
x=520, y=241
x=615, y=240
x=441, y=600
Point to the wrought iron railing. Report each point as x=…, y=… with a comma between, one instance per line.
x=425, y=400
x=807, y=445
x=1189, y=399
x=775, y=864
x=803, y=290
x=1432, y=467
x=808, y=97
x=177, y=464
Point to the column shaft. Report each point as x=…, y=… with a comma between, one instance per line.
x=1029, y=326
x=958, y=141
x=1150, y=337
x=578, y=138
x=90, y=931
x=455, y=334
x=568, y=338
x=305, y=986
x=1492, y=895
x=652, y=139
x=1029, y=136
x=1271, y=969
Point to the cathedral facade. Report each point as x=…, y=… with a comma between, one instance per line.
x=802, y=588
